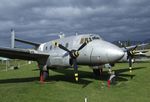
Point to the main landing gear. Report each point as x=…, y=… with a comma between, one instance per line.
x=44, y=73
x=98, y=71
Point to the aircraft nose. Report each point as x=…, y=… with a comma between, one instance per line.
x=105, y=52
x=114, y=53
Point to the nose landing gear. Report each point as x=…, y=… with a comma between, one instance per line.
x=112, y=79
x=98, y=70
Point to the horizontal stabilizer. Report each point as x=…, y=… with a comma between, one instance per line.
x=27, y=42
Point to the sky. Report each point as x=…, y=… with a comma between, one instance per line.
x=43, y=20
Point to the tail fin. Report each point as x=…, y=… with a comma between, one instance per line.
x=12, y=38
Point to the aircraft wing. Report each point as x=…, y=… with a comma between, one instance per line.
x=143, y=54
x=132, y=47
x=24, y=54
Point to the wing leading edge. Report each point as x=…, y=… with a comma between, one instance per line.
x=134, y=46
x=24, y=54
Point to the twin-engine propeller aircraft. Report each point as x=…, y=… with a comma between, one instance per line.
x=85, y=49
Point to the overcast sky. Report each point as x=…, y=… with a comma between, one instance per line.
x=37, y=19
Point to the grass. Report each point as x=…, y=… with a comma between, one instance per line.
x=23, y=85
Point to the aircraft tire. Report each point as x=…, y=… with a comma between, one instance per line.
x=45, y=75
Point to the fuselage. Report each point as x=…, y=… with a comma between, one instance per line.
x=96, y=52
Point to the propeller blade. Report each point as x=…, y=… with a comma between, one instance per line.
x=62, y=47
x=73, y=55
x=75, y=66
x=66, y=54
x=128, y=54
x=134, y=47
x=130, y=62
x=83, y=45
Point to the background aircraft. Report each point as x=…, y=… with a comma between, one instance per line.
x=85, y=49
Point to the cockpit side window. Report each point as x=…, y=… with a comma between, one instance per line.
x=67, y=44
x=90, y=39
x=83, y=40
x=95, y=37
x=86, y=39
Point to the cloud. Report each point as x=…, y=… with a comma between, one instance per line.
x=112, y=19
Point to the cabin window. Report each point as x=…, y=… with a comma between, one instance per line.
x=46, y=48
x=82, y=41
x=50, y=47
x=66, y=45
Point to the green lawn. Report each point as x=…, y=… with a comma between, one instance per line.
x=22, y=85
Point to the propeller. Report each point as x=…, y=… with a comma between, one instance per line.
x=130, y=55
x=73, y=55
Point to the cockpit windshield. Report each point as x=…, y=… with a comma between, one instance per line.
x=90, y=38
x=95, y=37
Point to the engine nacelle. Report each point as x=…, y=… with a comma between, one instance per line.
x=102, y=66
x=59, y=61
x=97, y=67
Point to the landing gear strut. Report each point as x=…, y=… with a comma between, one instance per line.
x=97, y=72
x=112, y=79
x=44, y=73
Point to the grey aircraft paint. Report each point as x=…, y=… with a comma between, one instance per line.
x=97, y=52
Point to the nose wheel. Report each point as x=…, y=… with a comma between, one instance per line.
x=112, y=79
